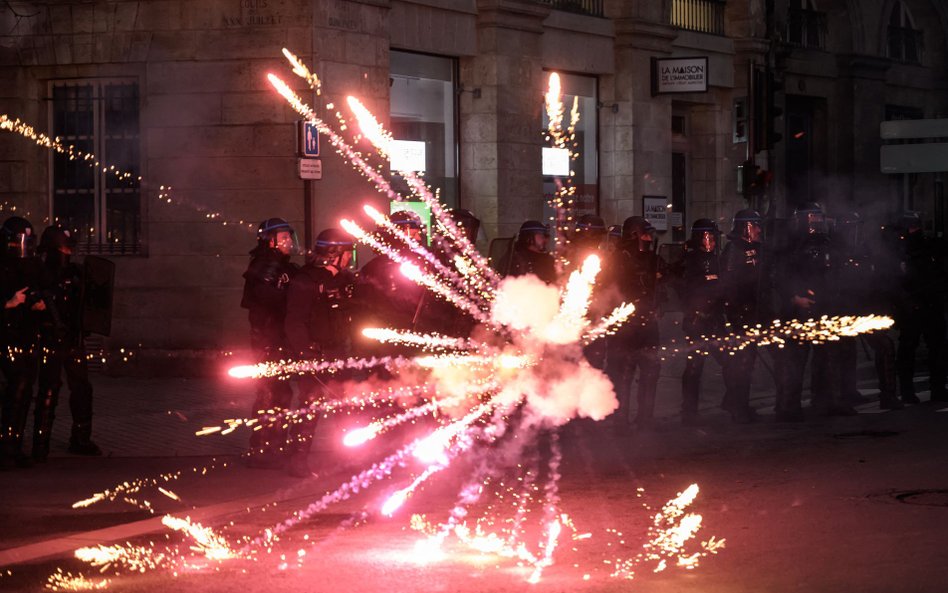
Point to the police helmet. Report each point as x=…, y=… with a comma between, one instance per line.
x=589, y=230
x=703, y=232
x=405, y=218
x=330, y=244
x=466, y=221
x=810, y=219
x=268, y=233
x=19, y=240
x=528, y=230
x=848, y=229
x=743, y=221
x=56, y=238
x=637, y=227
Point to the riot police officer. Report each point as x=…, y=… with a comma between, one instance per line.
x=318, y=325
x=862, y=288
x=20, y=292
x=440, y=315
x=266, y=281
x=589, y=238
x=703, y=309
x=529, y=255
x=743, y=280
x=467, y=223
x=386, y=297
x=638, y=269
x=61, y=337
x=804, y=292
x=921, y=309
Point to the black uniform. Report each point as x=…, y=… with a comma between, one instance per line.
x=524, y=261
x=635, y=345
x=61, y=339
x=318, y=325
x=529, y=256
x=266, y=281
x=921, y=313
x=19, y=344
x=703, y=309
x=863, y=286
x=387, y=298
x=744, y=278
x=805, y=272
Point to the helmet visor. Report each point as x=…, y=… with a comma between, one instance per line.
x=286, y=242
x=22, y=245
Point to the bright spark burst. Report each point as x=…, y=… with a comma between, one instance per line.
x=495, y=401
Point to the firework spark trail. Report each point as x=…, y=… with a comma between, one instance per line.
x=472, y=291
x=426, y=341
x=22, y=128
x=338, y=143
x=206, y=542
x=570, y=322
x=564, y=139
x=134, y=558
x=134, y=486
x=377, y=427
x=553, y=101
x=66, y=581
x=284, y=368
x=415, y=274
x=382, y=139
x=300, y=69
x=779, y=332
x=374, y=399
x=607, y=325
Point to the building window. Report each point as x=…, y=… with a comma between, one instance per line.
x=806, y=26
x=424, y=119
x=704, y=16
x=101, y=207
x=904, y=40
x=585, y=167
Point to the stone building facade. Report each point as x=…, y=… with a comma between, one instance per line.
x=177, y=91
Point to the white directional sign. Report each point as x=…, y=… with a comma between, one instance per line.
x=310, y=168
x=914, y=158
x=917, y=157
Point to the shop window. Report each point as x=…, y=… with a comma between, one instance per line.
x=424, y=119
x=585, y=167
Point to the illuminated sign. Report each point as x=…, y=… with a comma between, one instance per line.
x=556, y=161
x=408, y=155
x=679, y=75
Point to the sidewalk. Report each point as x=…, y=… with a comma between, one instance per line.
x=158, y=416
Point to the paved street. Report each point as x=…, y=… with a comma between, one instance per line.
x=828, y=505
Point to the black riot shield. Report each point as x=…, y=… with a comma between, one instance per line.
x=98, y=282
x=499, y=253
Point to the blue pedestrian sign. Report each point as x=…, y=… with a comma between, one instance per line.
x=309, y=139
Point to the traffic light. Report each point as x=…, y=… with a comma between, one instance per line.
x=773, y=111
x=753, y=181
x=765, y=109
x=758, y=109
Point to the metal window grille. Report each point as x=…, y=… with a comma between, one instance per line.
x=905, y=44
x=703, y=16
x=806, y=28
x=589, y=7
x=100, y=117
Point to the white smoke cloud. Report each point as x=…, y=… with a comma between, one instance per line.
x=561, y=384
x=526, y=303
